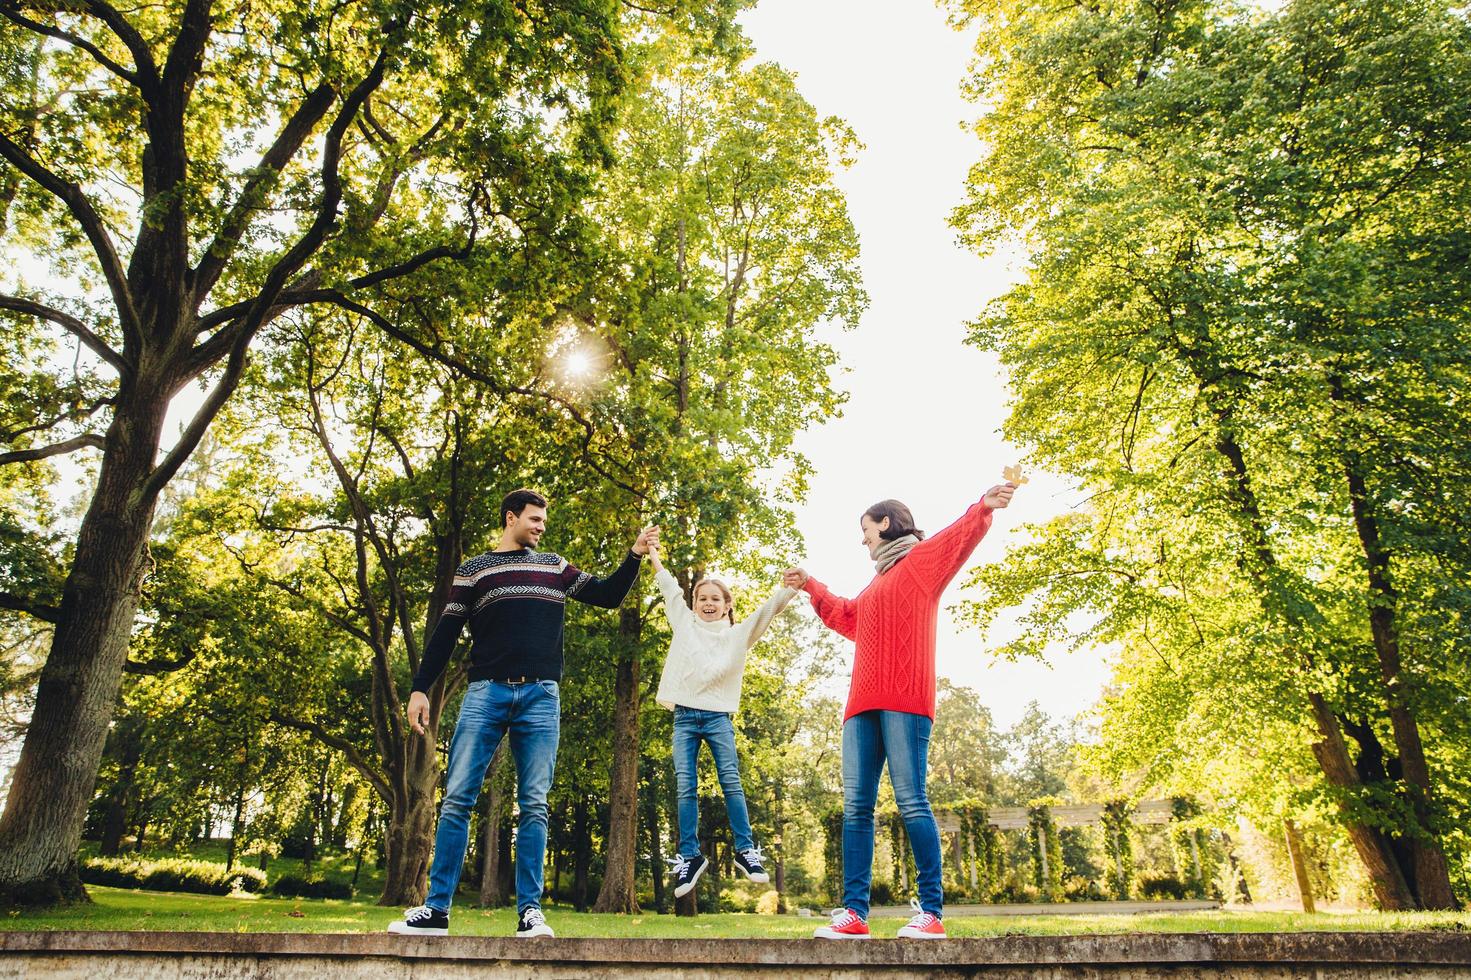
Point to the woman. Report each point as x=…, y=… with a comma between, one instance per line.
x=891, y=698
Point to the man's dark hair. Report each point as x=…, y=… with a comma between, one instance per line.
x=517, y=500
x=901, y=521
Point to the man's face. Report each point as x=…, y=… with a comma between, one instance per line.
x=525, y=529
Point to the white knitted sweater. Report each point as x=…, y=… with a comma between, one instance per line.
x=707, y=661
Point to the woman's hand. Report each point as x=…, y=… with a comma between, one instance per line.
x=999, y=496
x=794, y=578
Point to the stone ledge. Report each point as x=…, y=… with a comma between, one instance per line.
x=1155, y=949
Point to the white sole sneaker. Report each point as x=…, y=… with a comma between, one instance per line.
x=404, y=929
x=827, y=932
x=680, y=891
x=537, y=932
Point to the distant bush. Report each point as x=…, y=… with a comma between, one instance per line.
x=296, y=886
x=1158, y=887
x=1080, y=889
x=769, y=903
x=171, y=875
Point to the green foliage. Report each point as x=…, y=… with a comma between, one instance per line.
x=1242, y=333
x=1159, y=886
x=297, y=886
x=1043, y=839
x=1118, y=848
x=171, y=875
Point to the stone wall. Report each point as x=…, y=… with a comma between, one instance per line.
x=228, y=956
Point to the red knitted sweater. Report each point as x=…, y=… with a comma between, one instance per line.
x=893, y=620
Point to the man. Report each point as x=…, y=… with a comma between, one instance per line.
x=514, y=599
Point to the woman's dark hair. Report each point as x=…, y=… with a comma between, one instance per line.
x=901, y=521
x=518, y=500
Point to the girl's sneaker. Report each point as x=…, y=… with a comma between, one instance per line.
x=687, y=871
x=421, y=920
x=532, y=924
x=846, y=924
x=923, y=925
x=750, y=864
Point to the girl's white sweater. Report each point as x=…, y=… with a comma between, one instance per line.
x=707, y=661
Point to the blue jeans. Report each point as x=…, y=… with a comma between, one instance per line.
x=714, y=728
x=904, y=740
x=532, y=714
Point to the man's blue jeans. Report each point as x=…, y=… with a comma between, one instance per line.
x=691, y=727
x=531, y=714
x=904, y=740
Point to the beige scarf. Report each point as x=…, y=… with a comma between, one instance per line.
x=890, y=552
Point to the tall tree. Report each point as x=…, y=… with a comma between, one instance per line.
x=1248, y=292
x=381, y=140
x=727, y=243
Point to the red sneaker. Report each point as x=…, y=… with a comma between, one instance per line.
x=923, y=926
x=846, y=924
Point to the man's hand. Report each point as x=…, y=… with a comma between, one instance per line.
x=647, y=538
x=999, y=496
x=794, y=578
x=418, y=711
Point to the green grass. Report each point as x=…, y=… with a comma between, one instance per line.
x=119, y=909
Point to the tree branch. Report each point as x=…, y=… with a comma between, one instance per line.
x=95, y=343
x=300, y=296
x=349, y=751
x=10, y=11
x=238, y=341
x=475, y=374
x=86, y=215
x=287, y=143
x=40, y=610
x=152, y=668
x=90, y=439
x=146, y=67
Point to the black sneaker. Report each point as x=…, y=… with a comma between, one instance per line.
x=532, y=924
x=687, y=871
x=421, y=920
x=750, y=864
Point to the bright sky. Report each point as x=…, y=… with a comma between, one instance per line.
x=923, y=420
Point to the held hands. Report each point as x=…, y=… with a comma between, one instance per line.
x=647, y=539
x=794, y=578
x=418, y=711
x=999, y=496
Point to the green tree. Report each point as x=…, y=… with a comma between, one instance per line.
x=381, y=141
x=1243, y=332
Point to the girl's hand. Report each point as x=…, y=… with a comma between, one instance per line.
x=794, y=578
x=654, y=556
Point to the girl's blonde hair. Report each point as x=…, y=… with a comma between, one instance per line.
x=724, y=590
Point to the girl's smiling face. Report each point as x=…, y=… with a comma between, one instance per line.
x=712, y=602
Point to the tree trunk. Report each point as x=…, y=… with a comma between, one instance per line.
x=583, y=855
x=115, y=820
x=410, y=836
x=1374, y=848
x=235, y=822
x=1428, y=872
x=53, y=779
x=1299, y=866
x=492, y=892
x=619, y=893
x=1387, y=879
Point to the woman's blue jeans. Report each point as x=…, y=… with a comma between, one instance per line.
x=691, y=727
x=904, y=740
x=531, y=714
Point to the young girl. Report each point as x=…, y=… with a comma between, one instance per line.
x=701, y=683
